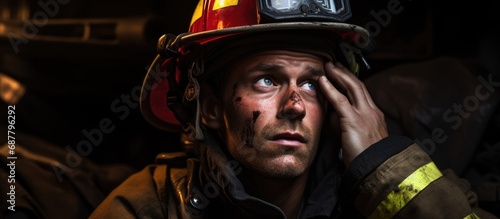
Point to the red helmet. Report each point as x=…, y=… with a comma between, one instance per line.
x=170, y=90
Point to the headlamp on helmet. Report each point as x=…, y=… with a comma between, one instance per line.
x=326, y=10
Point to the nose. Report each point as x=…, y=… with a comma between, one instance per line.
x=292, y=106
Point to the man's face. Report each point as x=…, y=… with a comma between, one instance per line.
x=273, y=112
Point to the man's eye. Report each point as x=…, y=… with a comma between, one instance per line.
x=309, y=86
x=265, y=82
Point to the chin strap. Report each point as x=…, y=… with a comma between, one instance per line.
x=167, y=48
x=192, y=93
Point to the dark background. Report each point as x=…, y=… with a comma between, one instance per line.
x=74, y=83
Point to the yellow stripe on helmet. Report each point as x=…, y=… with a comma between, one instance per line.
x=218, y=4
x=198, y=12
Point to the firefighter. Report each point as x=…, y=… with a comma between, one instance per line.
x=277, y=125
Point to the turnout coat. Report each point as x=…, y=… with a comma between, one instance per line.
x=393, y=178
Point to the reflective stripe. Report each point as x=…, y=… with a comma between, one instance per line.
x=409, y=188
x=218, y=4
x=472, y=216
x=197, y=13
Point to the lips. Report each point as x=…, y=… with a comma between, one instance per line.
x=291, y=139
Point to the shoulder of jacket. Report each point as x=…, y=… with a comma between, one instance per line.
x=176, y=175
x=172, y=158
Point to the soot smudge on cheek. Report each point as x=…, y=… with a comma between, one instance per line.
x=247, y=133
x=256, y=115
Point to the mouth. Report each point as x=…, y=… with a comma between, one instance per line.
x=290, y=139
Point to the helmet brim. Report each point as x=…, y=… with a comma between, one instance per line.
x=349, y=32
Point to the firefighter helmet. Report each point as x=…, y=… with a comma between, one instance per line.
x=170, y=89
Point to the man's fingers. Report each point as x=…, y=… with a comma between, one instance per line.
x=362, y=85
x=369, y=98
x=338, y=100
x=353, y=87
x=360, y=121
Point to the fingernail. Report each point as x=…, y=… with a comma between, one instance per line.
x=339, y=64
x=330, y=65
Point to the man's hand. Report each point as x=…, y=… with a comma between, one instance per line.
x=360, y=121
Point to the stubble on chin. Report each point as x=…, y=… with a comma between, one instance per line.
x=257, y=155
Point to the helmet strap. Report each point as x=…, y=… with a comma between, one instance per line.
x=192, y=93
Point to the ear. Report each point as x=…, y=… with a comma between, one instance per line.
x=211, y=108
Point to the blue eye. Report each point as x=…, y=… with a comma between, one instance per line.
x=309, y=86
x=265, y=82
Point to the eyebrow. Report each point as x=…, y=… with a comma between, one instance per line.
x=266, y=67
x=275, y=67
x=315, y=71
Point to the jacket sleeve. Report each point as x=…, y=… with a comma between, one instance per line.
x=395, y=178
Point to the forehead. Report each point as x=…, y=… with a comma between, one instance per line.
x=278, y=58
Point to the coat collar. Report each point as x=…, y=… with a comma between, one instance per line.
x=221, y=174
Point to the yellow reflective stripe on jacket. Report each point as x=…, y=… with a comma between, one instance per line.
x=472, y=216
x=409, y=188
